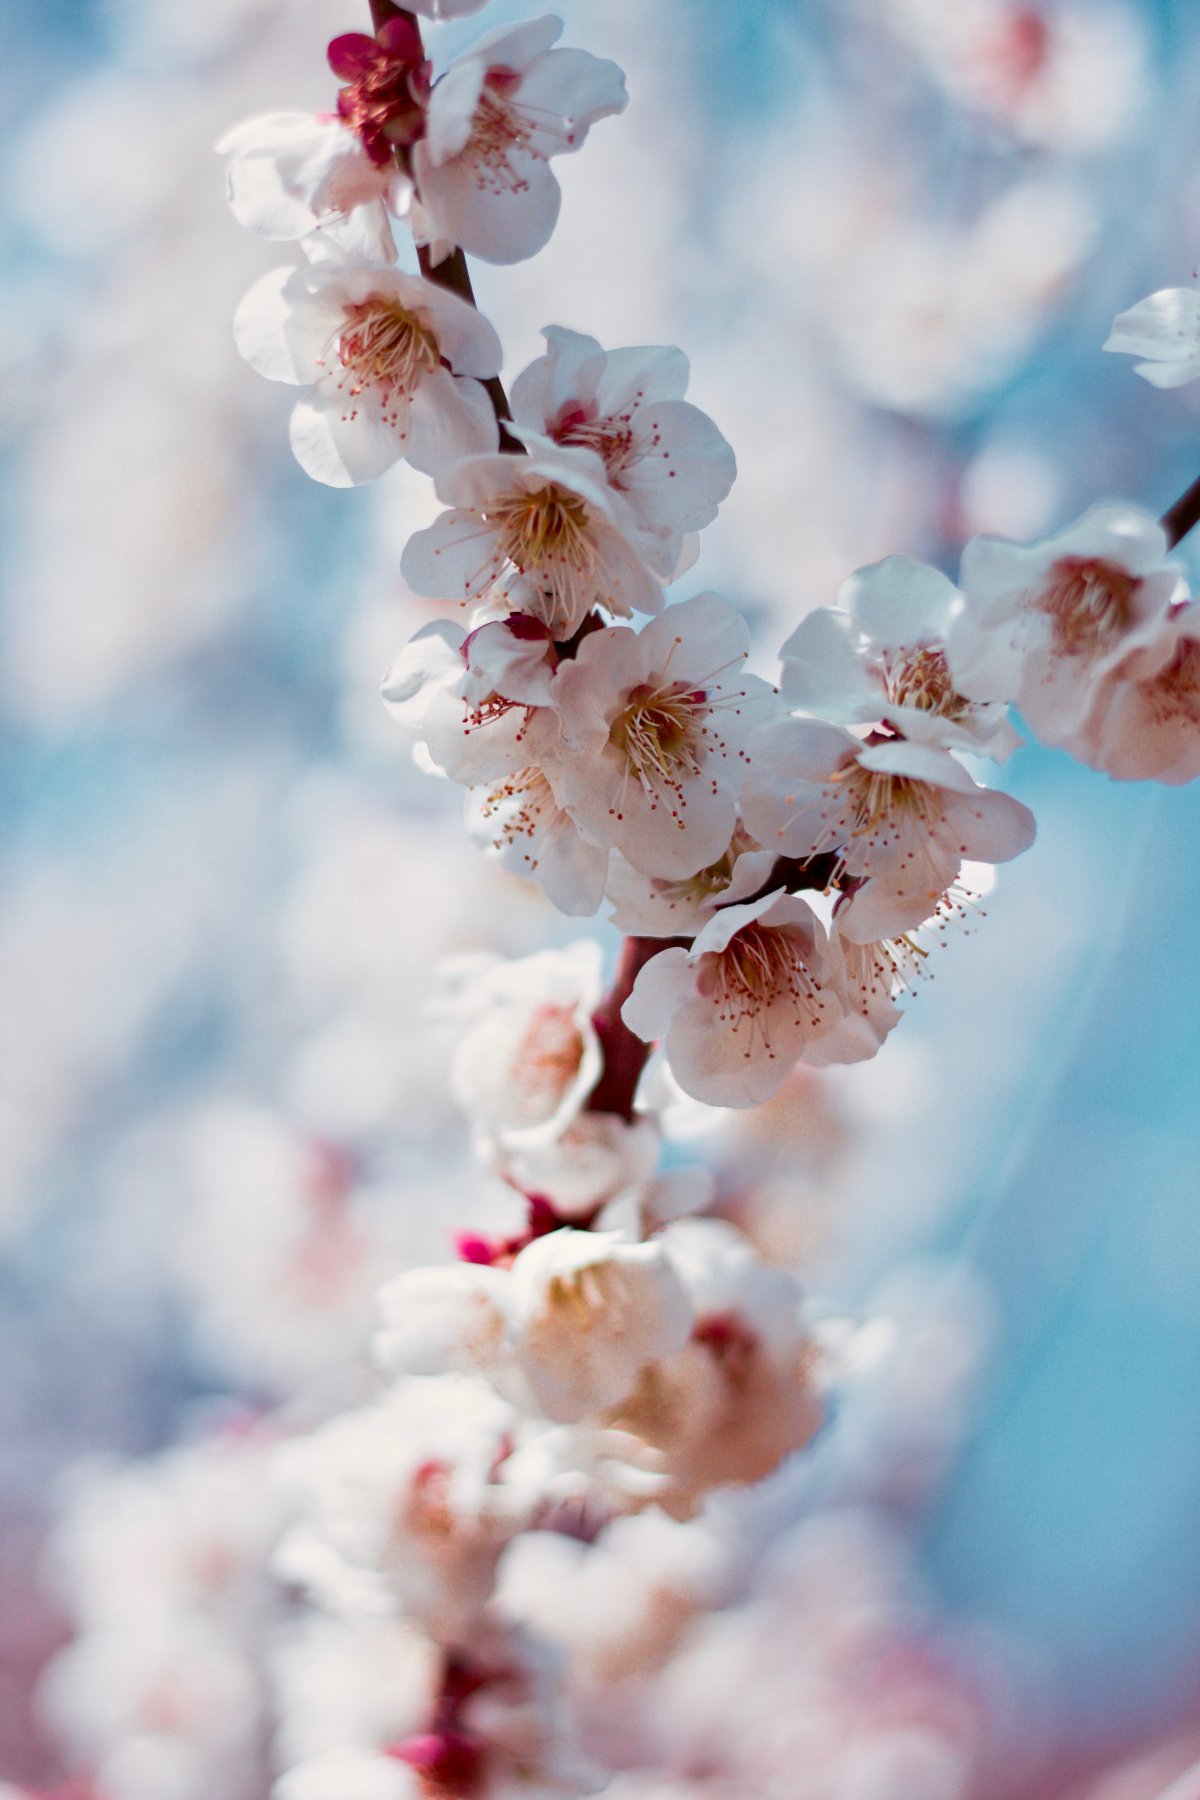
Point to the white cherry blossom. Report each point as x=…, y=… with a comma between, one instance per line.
x=496, y=117
x=563, y=1332
x=658, y=721
x=1045, y=622
x=1163, y=329
x=407, y=1502
x=350, y=1775
x=479, y=699
x=591, y=1311
x=597, y=1157
x=882, y=656
x=1144, y=723
x=663, y=455
x=395, y=362
x=294, y=174
x=541, y=534
x=900, y=818
x=739, y=1008
x=741, y=1395
x=529, y=1055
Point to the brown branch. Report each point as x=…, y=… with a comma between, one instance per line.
x=1179, y=519
x=624, y=1054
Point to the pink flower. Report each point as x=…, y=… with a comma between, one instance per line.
x=739, y=1008
x=900, y=818
x=1044, y=623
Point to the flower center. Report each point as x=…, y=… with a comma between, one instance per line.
x=386, y=350
x=884, y=969
x=660, y=733
x=611, y=439
x=1088, y=602
x=546, y=1062
x=519, y=807
x=921, y=678
x=760, y=968
x=498, y=135
x=549, y=525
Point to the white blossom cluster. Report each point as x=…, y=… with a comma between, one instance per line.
x=560, y=1402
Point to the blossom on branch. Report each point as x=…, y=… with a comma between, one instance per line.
x=1044, y=623
x=900, y=818
x=658, y=721
x=495, y=118
x=664, y=456
x=882, y=657
x=739, y=1008
x=395, y=362
x=542, y=534
x=292, y=175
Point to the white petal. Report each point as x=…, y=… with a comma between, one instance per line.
x=450, y=419
x=344, y=441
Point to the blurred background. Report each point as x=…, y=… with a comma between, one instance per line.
x=891, y=235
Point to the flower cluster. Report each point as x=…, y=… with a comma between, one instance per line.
x=612, y=1353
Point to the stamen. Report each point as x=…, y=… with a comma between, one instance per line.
x=385, y=352
x=1088, y=601
x=761, y=967
x=921, y=678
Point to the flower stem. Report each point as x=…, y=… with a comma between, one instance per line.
x=1179, y=519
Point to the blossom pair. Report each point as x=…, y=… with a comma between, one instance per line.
x=475, y=145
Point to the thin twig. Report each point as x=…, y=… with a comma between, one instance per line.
x=1179, y=519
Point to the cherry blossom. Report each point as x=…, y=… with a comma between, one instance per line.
x=495, y=118
x=395, y=362
x=664, y=456
x=350, y=1775
x=408, y=1502
x=1163, y=329
x=1144, y=722
x=481, y=700
x=597, y=1157
x=899, y=816
x=564, y=1332
x=518, y=817
x=658, y=721
x=742, y=1005
x=741, y=1395
x=529, y=1055
x=882, y=656
x=1043, y=623
x=295, y=174
x=541, y=534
